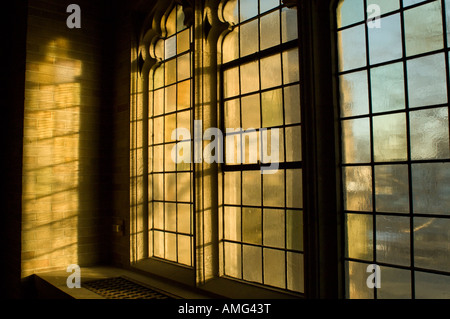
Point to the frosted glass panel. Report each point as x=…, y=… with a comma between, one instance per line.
x=431, y=188
x=359, y=236
x=233, y=260
x=290, y=66
x=232, y=220
x=427, y=83
x=170, y=216
x=230, y=47
x=294, y=230
x=170, y=99
x=158, y=158
x=391, y=188
x=184, y=250
x=385, y=43
x=158, y=105
x=251, y=225
x=354, y=94
x=184, y=67
x=271, y=71
x=232, y=114
x=231, y=12
x=183, y=187
x=158, y=244
x=353, y=48
x=170, y=47
x=232, y=188
x=423, y=28
x=289, y=29
x=385, y=5
x=273, y=222
x=231, y=82
x=430, y=134
x=158, y=130
x=389, y=137
x=393, y=236
x=170, y=187
x=249, y=42
x=252, y=263
x=292, y=104
x=170, y=246
x=274, y=264
x=249, y=77
x=169, y=164
x=272, y=108
x=358, y=188
x=158, y=187
x=270, y=30
x=184, y=218
x=349, y=12
x=295, y=272
x=158, y=215
x=388, y=89
x=248, y=9
x=395, y=284
x=356, y=287
x=169, y=126
x=250, y=112
x=294, y=188
x=266, y=5
x=356, y=141
x=293, y=144
x=432, y=243
x=170, y=72
x=251, y=188
x=432, y=286
x=183, y=43
x=273, y=189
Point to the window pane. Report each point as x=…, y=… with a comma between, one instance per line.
x=359, y=236
x=349, y=12
x=252, y=263
x=184, y=67
x=171, y=72
x=184, y=218
x=294, y=188
x=391, y=188
x=294, y=230
x=396, y=284
x=230, y=47
x=352, y=44
x=232, y=221
x=431, y=188
x=169, y=164
x=170, y=47
x=423, y=28
x=289, y=29
x=293, y=144
x=272, y=108
x=358, y=188
x=158, y=78
x=248, y=9
x=158, y=244
x=184, y=250
x=292, y=104
x=427, y=81
x=295, y=272
x=270, y=71
x=269, y=30
x=249, y=78
x=169, y=126
x=273, y=227
x=232, y=184
x=170, y=99
x=183, y=43
x=180, y=18
x=389, y=137
x=250, y=112
x=184, y=95
x=386, y=42
x=249, y=42
x=429, y=134
x=354, y=94
x=158, y=214
x=158, y=188
x=232, y=114
x=274, y=265
x=432, y=243
x=158, y=130
x=356, y=141
x=158, y=158
x=385, y=5
x=184, y=187
x=233, y=260
x=388, y=89
x=251, y=225
x=170, y=216
x=393, y=235
x=158, y=102
x=170, y=246
x=432, y=286
x=231, y=82
x=170, y=187
x=273, y=189
x=290, y=66
x=266, y=5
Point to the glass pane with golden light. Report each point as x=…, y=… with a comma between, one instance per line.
x=295, y=271
x=269, y=30
x=391, y=188
x=184, y=120
x=389, y=137
x=158, y=214
x=251, y=188
x=169, y=126
x=184, y=165
x=290, y=66
x=170, y=216
x=359, y=236
x=184, y=66
x=423, y=28
x=356, y=283
x=169, y=164
x=158, y=102
x=184, y=218
x=357, y=188
x=183, y=187
x=252, y=263
x=170, y=246
x=354, y=93
x=273, y=222
x=356, y=141
x=158, y=77
x=232, y=223
x=272, y=108
x=429, y=133
x=184, y=95
x=158, y=187
x=393, y=237
x=251, y=225
x=250, y=147
x=232, y=114
x=248, y=38
x=158, y=158
x=427, y=82
x=184, y=250
x=271, y=71
x=292, y=104
x=249, y=77
x=183, y=43
x=289, y=29
x=274, y=265
x=250, y=112
x=273, y=189
x=158, y=129
x=170, y=98
x=233, y=260
x=293, y=143
x=170, y=72
x=170, y=187
x=230, y=47
x=232, y=184
x=294, y=230
x=269, y=144
x=158, y=244
x=231, y=82
x=294, y=188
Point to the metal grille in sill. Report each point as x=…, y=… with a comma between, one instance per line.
x=122, y=288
